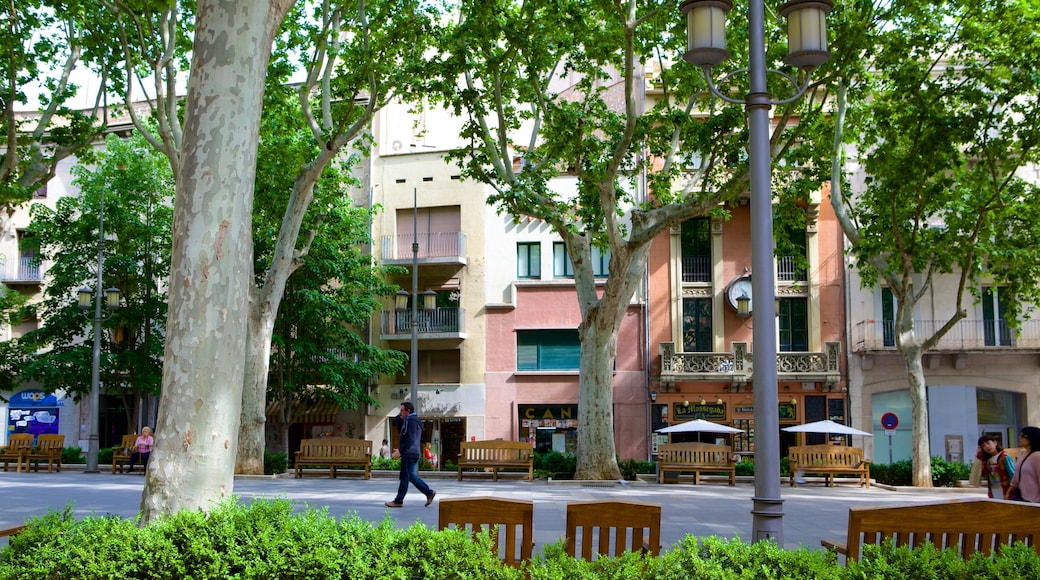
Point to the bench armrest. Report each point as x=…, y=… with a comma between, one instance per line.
x=835, y=547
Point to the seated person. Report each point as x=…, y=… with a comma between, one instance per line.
x=141, y=450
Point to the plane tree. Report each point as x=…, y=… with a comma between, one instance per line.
x=553, y=92
x=942, y=116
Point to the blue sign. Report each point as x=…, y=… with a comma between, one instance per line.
x=889, y=421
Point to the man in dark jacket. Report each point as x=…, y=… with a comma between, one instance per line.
x=408, y=451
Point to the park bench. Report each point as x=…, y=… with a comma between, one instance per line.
x=509, y=521
x=609, y=528
x=48, y=449
x=496, y=454
x=334, y=452
x=829, y=460
x=18, y=446
x=968, y=526
x=696, y=458
x=121, y=454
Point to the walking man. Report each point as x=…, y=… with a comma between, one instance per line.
x=409, y=453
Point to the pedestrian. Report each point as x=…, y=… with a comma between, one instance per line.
x=428, y=454
x=384, y=451
x=997, y=466
x=141, y=450
x=409, y=453
x=1025, y=485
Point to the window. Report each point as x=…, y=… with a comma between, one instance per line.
x=562, y=267
x=435, y=366
x=695, y=243
x=888, y=317
x=547, y=350
x=794, y=324
x=792, y=251
x=697, y=336
x=528, y=260
x=995, y=328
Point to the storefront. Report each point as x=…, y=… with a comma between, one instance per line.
x=549, y=427
x=34, y=412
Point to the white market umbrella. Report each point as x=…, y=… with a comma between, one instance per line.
x=826, y=426
x=699, y=426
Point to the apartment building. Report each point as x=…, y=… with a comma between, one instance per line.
x=702, y=362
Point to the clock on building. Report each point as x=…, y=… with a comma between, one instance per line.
x=737, y=291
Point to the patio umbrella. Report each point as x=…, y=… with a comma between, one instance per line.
x=699, y=426
x=826, y=426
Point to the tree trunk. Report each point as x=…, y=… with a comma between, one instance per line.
x=252, y=433
x=922, y=459
x=252, y=437
x=597, y=454
x=197, y=430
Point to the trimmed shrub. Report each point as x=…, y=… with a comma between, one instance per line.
x=555, y=465
x=944, y=474
x=271, y=539
x=74, y=454
x=631, y=468
x=275, y=463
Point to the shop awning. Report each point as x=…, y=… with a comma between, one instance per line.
x=310, y=413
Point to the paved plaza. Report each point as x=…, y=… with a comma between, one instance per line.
x=811, y=512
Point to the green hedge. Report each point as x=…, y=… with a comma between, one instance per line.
x=944, y=473
x=270, y=539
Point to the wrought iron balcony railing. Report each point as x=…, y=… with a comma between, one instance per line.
x=21, y=270
x=437, y=321
x=737, y=368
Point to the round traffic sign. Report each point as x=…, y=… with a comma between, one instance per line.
x=889, y=421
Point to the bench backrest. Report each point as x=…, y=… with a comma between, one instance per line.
x=496, y=450
x=694, y=453
x=335, y=447
x=126, y=444
x=514, y=519
x=50, y=443
x=19, y=442
x=969, y=526
x=634, y=526
x=808, y=455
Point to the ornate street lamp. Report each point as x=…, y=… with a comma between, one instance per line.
x=807, y=49
x=112, y=298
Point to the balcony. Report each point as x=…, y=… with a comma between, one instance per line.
x=435, y=323
x=696, y=269
x=736, y=366
x=788, y=270
x=434, y=248
x=21, y=271
x=966, y=335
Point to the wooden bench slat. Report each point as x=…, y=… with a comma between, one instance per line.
x=496, y=454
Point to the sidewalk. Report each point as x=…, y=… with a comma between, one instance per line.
x=811, y=512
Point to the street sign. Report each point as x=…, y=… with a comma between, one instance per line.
x=889, y=420
x=890, y=432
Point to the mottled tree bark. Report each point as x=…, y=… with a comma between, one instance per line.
x=197, y=430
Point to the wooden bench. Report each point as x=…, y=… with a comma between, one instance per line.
x=121, y=454
x=633, y=526
x=48, y=449
x=696, y=458
x=829, y=460
x=335, y=452
x=18, y=446
x=509, y=521
x=495, y=455
x=968, y=526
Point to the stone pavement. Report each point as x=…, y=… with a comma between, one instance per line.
x=811, y=512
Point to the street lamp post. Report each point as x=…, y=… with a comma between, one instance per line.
x=112, y=297
x=807, y=49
